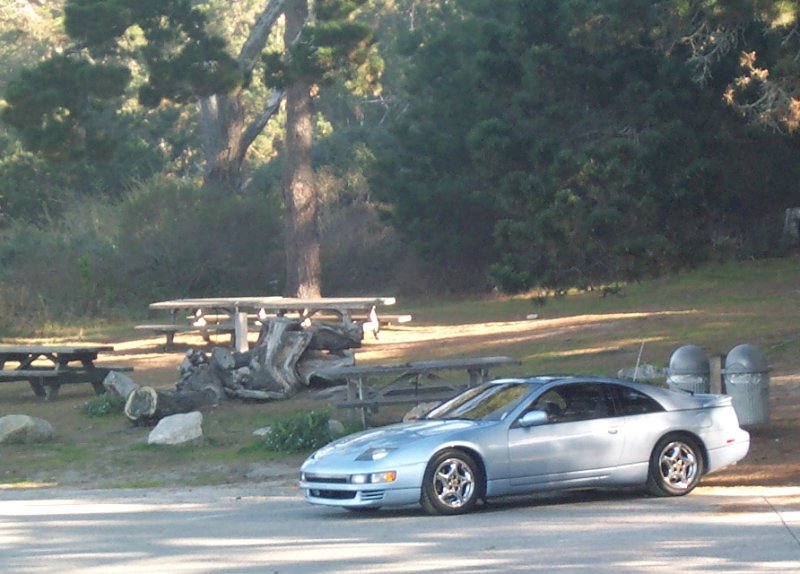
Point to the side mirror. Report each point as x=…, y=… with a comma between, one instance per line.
x=533, y=418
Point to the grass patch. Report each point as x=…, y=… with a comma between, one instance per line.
x=717, y=307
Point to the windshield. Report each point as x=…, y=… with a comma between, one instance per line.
x=490, y=401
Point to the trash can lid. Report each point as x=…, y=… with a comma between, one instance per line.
x=745, y=358
x=689, y=360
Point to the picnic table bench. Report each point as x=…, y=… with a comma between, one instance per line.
x=47, y=367
x=169, y=330
x=406, y=386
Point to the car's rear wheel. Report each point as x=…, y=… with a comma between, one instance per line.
x=452, y=484
x=676, y=466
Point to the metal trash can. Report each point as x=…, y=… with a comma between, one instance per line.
x=746, y=378
x=689, y=370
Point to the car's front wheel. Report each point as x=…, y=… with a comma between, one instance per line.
x=676, y=466
x=452, y=484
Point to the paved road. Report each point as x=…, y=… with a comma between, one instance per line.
x=269, y=529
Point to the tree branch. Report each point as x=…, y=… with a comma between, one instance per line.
x=257, y=40
x=258, y=124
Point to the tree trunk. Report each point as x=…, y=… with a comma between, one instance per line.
x=222, y=120
x=302, y=232
x=226, y=138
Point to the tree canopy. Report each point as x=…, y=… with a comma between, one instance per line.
x=559, y=145
x=514, y=145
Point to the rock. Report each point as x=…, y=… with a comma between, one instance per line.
x=119, y=385
x=420, y=410
x=262, y=432
x=336, y=428
x=177, y=429
x=24, y=429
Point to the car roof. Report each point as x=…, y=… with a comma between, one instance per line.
x=669, y=399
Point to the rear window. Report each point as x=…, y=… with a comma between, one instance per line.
x=633, y=402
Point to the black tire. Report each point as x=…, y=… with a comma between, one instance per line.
x=676, y=466
x=452, y=484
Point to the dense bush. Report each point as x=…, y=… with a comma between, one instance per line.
x=303, y=432
x=165, y=240
x=162, y=240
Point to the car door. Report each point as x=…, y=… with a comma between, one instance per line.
x=581, y=442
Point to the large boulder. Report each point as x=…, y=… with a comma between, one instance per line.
x=24, y=429
x=177, y=429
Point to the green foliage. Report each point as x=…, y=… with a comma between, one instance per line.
x=554, y=145
x=303, y=432
x=161, y=240
x=53, y=106
x=184, y=60
x=335, y=46
x=103, y=405
x=747, y=50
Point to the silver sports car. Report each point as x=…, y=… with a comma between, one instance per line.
x=519, y=435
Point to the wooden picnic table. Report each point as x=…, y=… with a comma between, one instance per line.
x=405, y=386
x=238, y=308
x=47, y=367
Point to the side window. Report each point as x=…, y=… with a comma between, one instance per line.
x=552, y=403
x=576, y=402
x=632, y=402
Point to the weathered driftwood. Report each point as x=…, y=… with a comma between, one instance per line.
x=273, y=362
x=335, y=337
x=283, y=361
x=313, y=361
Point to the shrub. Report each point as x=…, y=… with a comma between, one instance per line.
x=304, y=432
x=103, y=405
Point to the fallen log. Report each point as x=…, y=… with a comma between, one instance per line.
x=146, y=405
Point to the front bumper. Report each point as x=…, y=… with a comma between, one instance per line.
x=358, y=496
x=332, y=487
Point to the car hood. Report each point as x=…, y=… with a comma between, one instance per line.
x=392, y=437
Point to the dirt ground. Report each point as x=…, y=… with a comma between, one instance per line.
x=773, y=460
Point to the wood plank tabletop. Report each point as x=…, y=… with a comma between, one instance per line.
x=273, y=303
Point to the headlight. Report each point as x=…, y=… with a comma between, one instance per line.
x=374, y=453
x=374, y=477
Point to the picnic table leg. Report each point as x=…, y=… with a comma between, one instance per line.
x=95, y=375
x=364, y=415
x=51, y=390
x=37, y=384
x=355, y=392
x=478, y=376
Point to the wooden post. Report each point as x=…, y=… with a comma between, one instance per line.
x=716, y=363
x=240, y=332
